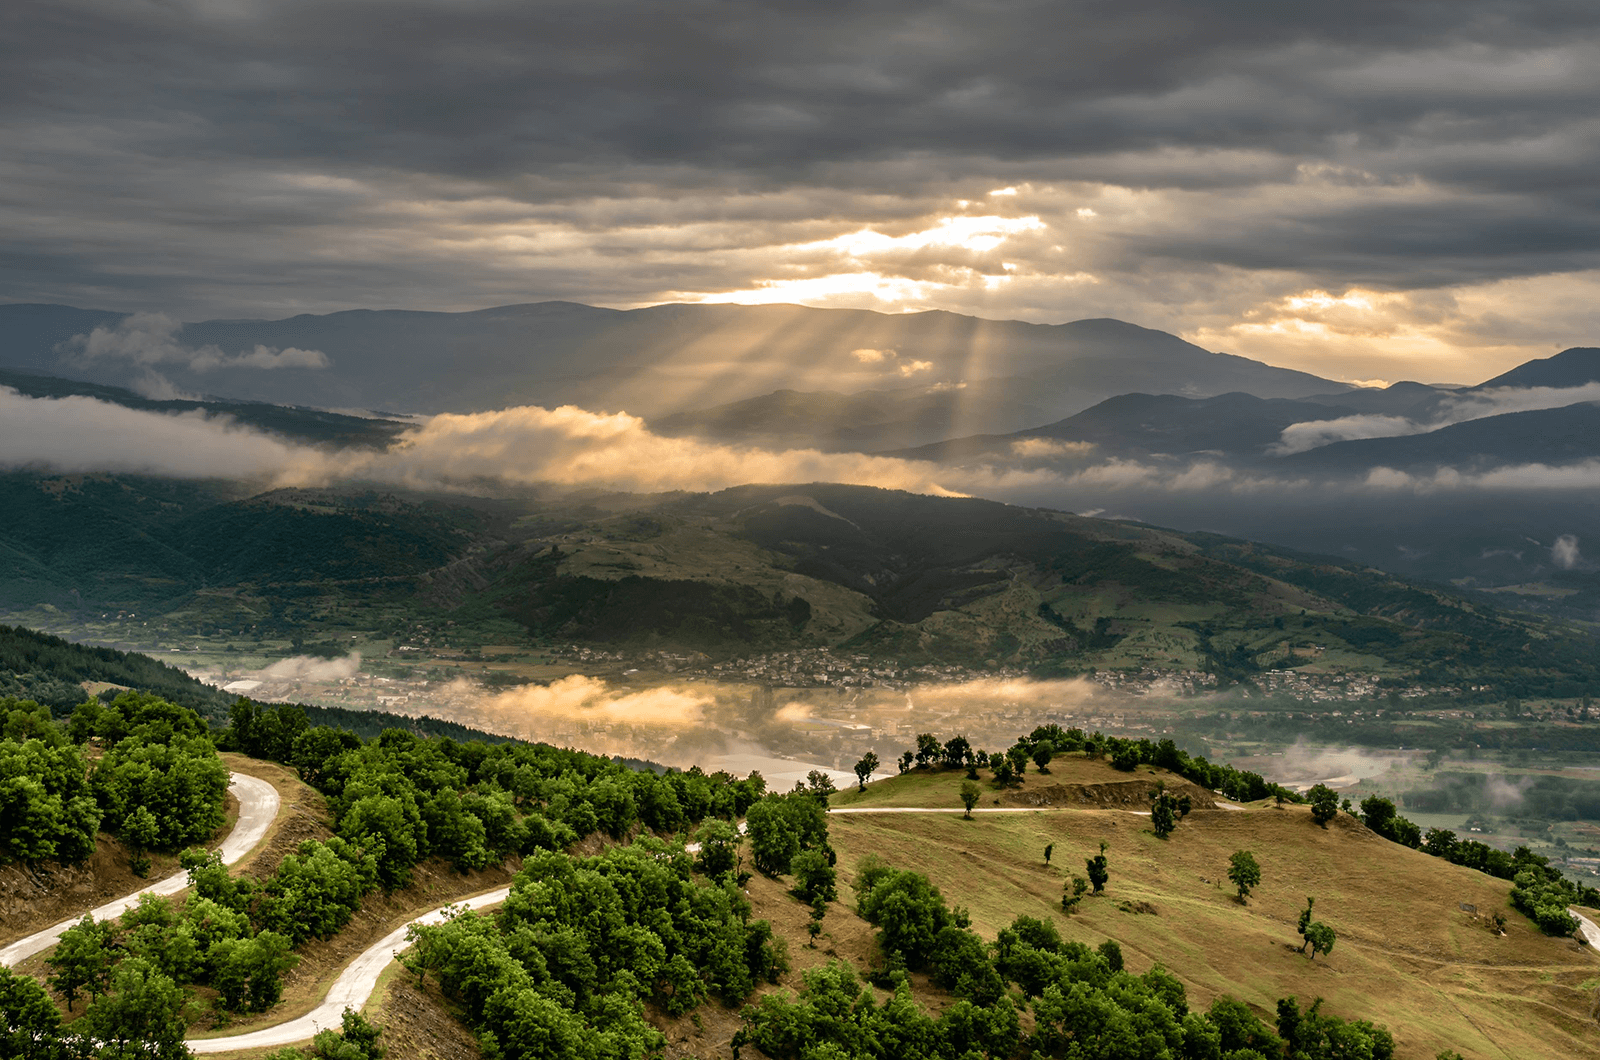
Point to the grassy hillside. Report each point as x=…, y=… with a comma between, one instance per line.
x=1407, y=954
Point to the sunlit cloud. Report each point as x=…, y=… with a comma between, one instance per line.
x=873, y=289
x=1049, y=448
x=895, y=272
x=980, y=233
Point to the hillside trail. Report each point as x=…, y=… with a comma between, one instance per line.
x=258, y=808
x=360, y=977
x=357, y=982
x=351, y=990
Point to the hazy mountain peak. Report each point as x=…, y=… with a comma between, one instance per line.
x=1569, y=368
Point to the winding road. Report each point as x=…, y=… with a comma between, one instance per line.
x=351, y=990
x=258, y=808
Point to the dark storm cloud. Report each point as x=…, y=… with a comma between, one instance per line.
x=253, y=155
x=498, y=89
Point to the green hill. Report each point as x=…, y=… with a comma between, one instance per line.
x=920, y=578
x=1409, y=954
x=757, y=568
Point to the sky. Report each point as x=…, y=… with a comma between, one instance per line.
x=1367, y=190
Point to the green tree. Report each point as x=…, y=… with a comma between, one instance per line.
x=141, y=831
x=719, y=848
x=28, y=1019
x=970, y=794
x=1163, y=814
x=1239, y=1031
x=814, y=878
x=357, y=1039
x=781, y=826
x=315, y=890
x=904, y=762
x=210, y=879
x=1324, y=804
x=141, y=1016
x=392, y=829
x=1319, y=937
x=1043, y=752
x=46, y=810
x=1311, y=1034
x=1049, y=848
x=1098, y=869
x=907, y=909
x=1244, y=873
x=82, y=960
x=819, y=786
x=929, y=750
x=166, y=769
x=249, y=972
x=1305, y=919
x=1072, y=893
x=1112, y=953
x=1017, y=755
x=865, y=769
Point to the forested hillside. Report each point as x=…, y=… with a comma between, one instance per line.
x=603, y=955
x=52, y=672
x=899, y=576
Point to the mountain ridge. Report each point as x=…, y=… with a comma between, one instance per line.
x=652, y=361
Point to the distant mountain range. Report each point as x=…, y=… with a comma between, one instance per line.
x=1085, y=409
x=656, y=362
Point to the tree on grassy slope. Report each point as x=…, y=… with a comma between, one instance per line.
x=1099, y=871
x=1324, y=804
x=1163, y=814
x=865, y=769
x=970, y=794
x=1244, y=872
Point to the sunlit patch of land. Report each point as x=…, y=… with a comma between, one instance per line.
x=1407, y=955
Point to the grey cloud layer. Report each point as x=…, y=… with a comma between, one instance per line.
x=573, y=448
x=258, y=155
